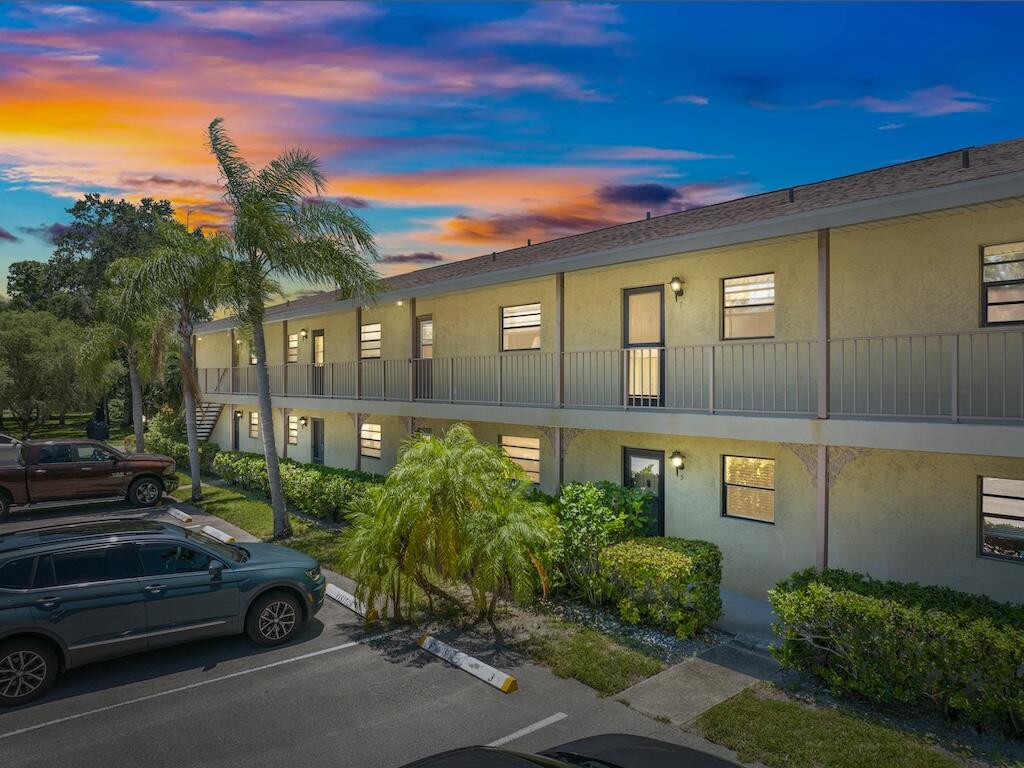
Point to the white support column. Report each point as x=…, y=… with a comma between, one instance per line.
x=556, y=443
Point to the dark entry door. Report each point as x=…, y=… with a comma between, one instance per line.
x=643, y=340
x=646, y=469
x=236, y=417
x=318, y=363
x=424, y=357
x=317, y=451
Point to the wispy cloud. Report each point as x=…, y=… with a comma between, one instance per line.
x=690, y=98
x=416, y=258
x=892, y=126
x=928, y=102
x=7, y=237
x=48, y=233
x=260, y=17
x=652, y=153
x=559, y=24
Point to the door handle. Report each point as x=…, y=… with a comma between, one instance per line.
x=86, y=469
x=48, y=602
x=39, y=471
x=155, y=589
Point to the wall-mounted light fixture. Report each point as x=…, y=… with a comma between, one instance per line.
x=677, y=461
x=199, y=338
x=304, y=333
x=238, y=414
x=676, y=284
x=303, y=421
x=400, y=302
x=238, y=341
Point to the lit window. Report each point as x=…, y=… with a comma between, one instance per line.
x=748, y=308
x=1003, y=278
x=369, y=340
x=254, y=424
x=749, y=488
x=293, y=347
x=520, y=327
x=524, y=451
x=426, y=340
x=369, y=441
x=293, y=430
x=1002, y=518
x=252, y=358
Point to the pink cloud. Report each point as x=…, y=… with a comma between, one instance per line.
x=690, y=98
x=652, y=153
x=562, y=24
x=258, y=17
x=928, y=102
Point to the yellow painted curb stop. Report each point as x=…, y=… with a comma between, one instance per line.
x=475, y=667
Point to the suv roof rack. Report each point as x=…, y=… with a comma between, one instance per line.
x=32, y=537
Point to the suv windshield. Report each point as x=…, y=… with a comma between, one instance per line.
x=226, y=551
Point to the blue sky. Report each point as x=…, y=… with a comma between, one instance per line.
x=458, y=129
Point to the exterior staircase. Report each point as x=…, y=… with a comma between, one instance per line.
x=206, y=418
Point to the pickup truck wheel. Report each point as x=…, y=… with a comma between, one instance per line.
x=28, y=669
x=145, y=492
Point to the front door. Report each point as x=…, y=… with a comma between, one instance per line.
x=643, y=331
x=425, y=357
x=318, y=363
x=317, y=449
x=91, y=599
x=646, y=469
x=183, y=598
x=98, y=471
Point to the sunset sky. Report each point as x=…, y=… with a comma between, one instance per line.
x=465, y=128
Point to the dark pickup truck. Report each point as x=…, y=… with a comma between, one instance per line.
x=39, y=471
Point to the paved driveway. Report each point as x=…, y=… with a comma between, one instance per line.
x=335, y=696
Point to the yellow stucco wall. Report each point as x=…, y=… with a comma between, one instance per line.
x=213, y=350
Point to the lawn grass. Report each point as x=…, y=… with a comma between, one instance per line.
x=788, y=734
x=590, y=657
x=73, y=427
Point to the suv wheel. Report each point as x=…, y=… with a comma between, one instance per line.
x=273, y=619
x=145, y=492
x=28, y=669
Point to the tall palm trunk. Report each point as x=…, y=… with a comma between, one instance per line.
x=188, y=402
x=281, y=525
x=135, y=381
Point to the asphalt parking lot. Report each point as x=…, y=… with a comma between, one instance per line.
x=336, y=696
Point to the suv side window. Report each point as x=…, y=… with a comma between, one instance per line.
x=55, y=454
x=162, y=559
x=16, y=574
x=84, y=566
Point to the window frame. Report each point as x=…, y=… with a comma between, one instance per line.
x=291, y=352
x=722, y=308
x=254, y=425
x=504, y=448
x=292, y=419
x=724, y=513
x=421, y=320
x=379, y=341
x=363, y=440
x=981, y=521
x=128, y=546
x=983, y=304
x=539, y=326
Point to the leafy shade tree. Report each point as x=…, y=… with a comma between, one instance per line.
x=185, y=274
x=284, y=229
x=453, y=510
x=38, y=355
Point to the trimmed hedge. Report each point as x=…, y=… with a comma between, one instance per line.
x=665, y=582
x=903, y=644
x=323, y=492
x=157, y=442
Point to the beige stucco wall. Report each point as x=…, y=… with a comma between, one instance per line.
x=213, y=350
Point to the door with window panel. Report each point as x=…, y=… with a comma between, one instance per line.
x=317, y=375
x=425, y=358
x=644, y=345
x=645, y=469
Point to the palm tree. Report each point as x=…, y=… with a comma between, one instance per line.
x=184, y=273
x=284, y=229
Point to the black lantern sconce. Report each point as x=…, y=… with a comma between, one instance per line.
x=238, y=414
x=676, y=284
x=303, y=421
x=677, y=461
x=303, y=334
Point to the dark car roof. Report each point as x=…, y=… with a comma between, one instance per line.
x=480, y=757
x=116, y=529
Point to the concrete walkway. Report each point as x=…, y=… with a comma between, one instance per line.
x=749, y=620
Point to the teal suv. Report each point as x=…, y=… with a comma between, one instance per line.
x=74, y=594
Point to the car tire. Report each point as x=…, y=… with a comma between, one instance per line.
x=28, y=669
x=145, y=492
x=273, y=618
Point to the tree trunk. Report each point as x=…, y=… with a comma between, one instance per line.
x=136, y=387
x=63, y=416
x=282, y=528
x=188, y=402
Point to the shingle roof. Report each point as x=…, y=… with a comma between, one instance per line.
x=929, y=172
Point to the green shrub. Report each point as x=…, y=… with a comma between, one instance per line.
x=593, y=516
x=906, y=645
x=156, y=442
x=664, y=582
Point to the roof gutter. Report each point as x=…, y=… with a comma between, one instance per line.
x=985, y=190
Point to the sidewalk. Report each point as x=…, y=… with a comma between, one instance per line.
x=749, y=620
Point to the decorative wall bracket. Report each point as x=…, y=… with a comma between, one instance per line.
x=838, y=458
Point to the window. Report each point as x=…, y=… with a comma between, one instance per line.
x=55, y=454
x=16, y=574
x=1002, y=278
x=748, y=307
x=293, y=347
x=1002, y=518
x=426, y=337
x=369, y=441
x=520, y=327
x=254, y=424
x=252, y=358
x=293, y=430
x=92, y=452
x=524, y=451
x=749, y=488
x=161, y=559
x=369, y=341
x=318, y=347
x=85, y=566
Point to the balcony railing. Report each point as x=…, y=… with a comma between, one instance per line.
x=975, y=375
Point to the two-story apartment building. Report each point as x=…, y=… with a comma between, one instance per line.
x=827, y=374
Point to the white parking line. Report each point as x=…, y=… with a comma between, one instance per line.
x=529, y=729
x=200, y=684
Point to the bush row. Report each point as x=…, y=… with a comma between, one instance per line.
x=323, y=492
x=158, y=442
x=906, y=645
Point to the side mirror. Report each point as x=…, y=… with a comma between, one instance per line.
x=216, y=567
